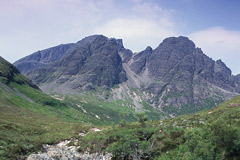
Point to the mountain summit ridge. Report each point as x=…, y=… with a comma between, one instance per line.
x=176, y=77
x=93, y=61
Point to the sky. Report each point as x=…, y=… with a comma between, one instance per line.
x=27, y=26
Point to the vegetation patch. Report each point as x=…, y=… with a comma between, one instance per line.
x=210, y=134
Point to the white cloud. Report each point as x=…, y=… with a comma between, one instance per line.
x=31, y=25
x=147, y=25
x=220, y=43
x=136, y=33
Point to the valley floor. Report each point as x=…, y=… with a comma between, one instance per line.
x=28, y=123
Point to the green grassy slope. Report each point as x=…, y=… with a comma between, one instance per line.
x=26, y=124
x=207, y=135
x=30, y=118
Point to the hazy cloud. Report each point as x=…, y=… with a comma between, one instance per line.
x=137, y=33
x=31, y=25
x=147, y=25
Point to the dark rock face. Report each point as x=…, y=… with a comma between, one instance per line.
x=94, y=61
x=237, y=82
x=125, y=54
x=177, y=59
x=176, y=77
x=140, y=59
x=182, y=76
x=171, y=54
x=41, y=58
x=222, y=76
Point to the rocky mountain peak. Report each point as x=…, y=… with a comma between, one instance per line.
x=89, y=39
x=221, y=67
x=149, y=49
x=166, y=59
x=177, y=44
x=140, y=60
x=120, y=44
x=181, y=40
x=93, y=61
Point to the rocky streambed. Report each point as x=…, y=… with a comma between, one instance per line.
x=64, y=151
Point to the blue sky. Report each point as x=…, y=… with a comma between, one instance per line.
x=199, y=14
x=30, y=25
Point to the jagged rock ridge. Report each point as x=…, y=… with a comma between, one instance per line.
x=93, y=61
x=176, y=77
x=182, y=78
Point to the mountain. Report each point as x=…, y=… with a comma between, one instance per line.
x=180, y=77
x=175, y=78
x=94, y=61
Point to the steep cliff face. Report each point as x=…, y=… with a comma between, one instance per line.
x=139, y=60
x=90, y=63
x=181, y=78
x=170, y=56
x=237, y=82
x=176, y=77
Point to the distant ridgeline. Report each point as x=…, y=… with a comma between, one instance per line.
x=173, y=79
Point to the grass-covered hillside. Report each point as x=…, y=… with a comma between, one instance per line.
x=30, y=118
x=207, y=135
